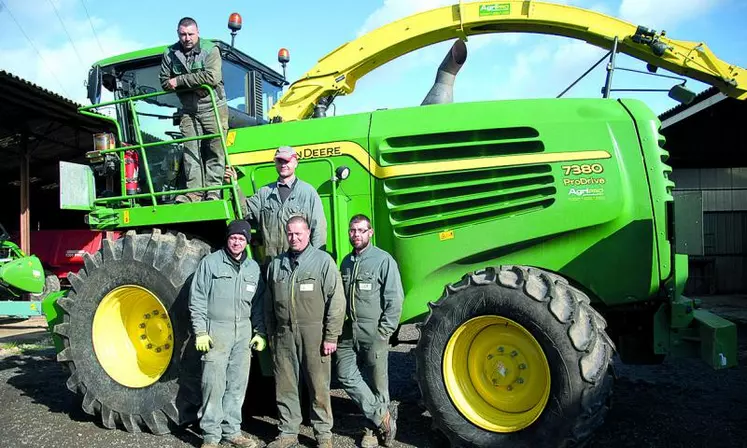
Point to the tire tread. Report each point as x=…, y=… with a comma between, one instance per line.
x=146, y=248
x=570, y=307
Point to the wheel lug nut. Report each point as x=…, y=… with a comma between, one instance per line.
x=147, y=316
x=490, y=356
x=509, y=388
x=520, y=380
x=167, y=346
x=169, y=337
x=163, y=316
x=500, y=349
x=522, y=366
x=143, y=337
x=155, y=312
x=149, y=346
x=158, y=349
x=514, y=353
x=142, y=325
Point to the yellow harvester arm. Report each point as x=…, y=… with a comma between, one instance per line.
x=336, y=73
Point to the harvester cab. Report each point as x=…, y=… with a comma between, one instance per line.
x=122, y=174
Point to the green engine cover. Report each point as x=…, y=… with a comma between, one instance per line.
x=576, y=186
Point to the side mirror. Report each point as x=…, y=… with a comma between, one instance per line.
x=94, y=84
x=681, y=94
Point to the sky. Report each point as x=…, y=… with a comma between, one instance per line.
x=53, y=43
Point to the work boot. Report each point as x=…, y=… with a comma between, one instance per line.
x=241, y=442
x=212, y=196
x=369, y=439
x=388, y=427
x=325, y=442
x=283, y=442
x=209, y=445
x=189, y=197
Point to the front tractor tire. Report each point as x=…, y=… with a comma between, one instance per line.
x=514, y=356
x=125, y=332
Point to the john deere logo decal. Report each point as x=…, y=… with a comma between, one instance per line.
x=495, y=9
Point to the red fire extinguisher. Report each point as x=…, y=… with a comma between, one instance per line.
x=131, y=171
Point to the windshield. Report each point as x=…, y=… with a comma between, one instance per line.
x=142, y=81
x=158, y=117
x=270, y=95
x=236, y=80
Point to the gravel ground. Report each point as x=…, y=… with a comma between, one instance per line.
x=681, y=403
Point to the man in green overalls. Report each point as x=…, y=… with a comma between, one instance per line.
x=225, y=303
x=374, y=304
x=304, y=312
x=189, y=63
x=271, y=207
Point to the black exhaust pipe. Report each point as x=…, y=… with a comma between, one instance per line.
x=442, y=91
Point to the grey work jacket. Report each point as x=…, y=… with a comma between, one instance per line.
x=305, y=296
x=373, y=289
x=200, y=66
x=266, y=212
x=222, y=293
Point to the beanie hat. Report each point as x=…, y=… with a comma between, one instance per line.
x=239, y=226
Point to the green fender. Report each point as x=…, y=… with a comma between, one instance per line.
x=25, y=274
x=53, y=313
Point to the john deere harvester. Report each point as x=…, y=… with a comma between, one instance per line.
x=535, y=237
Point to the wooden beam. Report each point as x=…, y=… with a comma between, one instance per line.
x=25, y=225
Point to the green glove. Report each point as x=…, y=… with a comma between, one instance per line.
x=258, y=342
x=203, y=342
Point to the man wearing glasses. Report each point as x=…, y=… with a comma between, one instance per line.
x=373, y=290
x=274, y=204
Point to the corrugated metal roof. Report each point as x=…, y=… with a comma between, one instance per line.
x=11, y=78
x=42, y=127
x=51, y=123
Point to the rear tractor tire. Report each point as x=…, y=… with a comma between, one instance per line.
x=514, y=356
x=126, y=331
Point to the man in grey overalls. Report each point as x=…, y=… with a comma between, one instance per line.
x=271, y=207
x=373, y=290
x=192, y=62
x=304, y=311
x=225, y=303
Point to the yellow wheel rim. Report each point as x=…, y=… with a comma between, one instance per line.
x=132, y=336
x=496, y=374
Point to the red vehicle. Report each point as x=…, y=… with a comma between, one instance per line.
x=61, y=252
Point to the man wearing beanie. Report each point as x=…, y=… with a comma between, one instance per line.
x=227, y=318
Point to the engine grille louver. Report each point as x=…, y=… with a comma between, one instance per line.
x=425, y=203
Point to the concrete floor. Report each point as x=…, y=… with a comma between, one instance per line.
x=23, y=330
x=680, y=403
